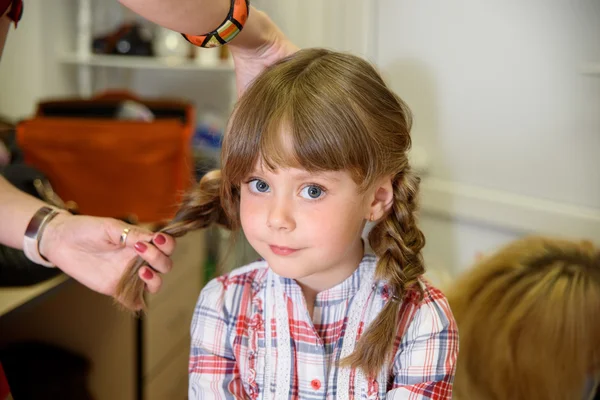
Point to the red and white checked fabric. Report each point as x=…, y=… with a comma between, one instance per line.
x=228, y=351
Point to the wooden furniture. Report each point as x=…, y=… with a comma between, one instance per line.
x=166, y=326
x=132, y=359
x=77, y=319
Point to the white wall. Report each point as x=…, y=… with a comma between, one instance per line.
x=511, y=126
x=497, y=92
x=343, y=25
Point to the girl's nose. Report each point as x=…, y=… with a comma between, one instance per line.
x=280, y=216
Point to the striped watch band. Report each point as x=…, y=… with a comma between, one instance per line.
x=229, y=29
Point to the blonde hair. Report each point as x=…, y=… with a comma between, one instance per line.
x=337, y=114
x=528, y=322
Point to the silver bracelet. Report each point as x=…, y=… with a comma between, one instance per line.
x=34, y=232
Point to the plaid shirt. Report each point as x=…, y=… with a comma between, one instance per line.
x=228, y=346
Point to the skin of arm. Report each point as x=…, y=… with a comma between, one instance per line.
x=4, y=25
x=16, y=210
x=197, y=17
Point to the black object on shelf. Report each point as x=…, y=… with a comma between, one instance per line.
x=128, y=39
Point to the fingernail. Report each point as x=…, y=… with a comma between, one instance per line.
x=160, y=239
x=141, y=247
x=147, y=274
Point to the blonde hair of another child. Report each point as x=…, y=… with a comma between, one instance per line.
x=528, y=322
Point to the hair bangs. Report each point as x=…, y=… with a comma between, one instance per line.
x=261, y=141
x=303, y=129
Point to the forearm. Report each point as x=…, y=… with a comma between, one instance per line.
x=194, y=17
x=197, y=17
x=4, y=25
x=16, y=210
x=258, y=31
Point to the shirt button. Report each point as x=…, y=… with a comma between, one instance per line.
x=315, y=384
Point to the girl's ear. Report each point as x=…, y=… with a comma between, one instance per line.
x=382, y=197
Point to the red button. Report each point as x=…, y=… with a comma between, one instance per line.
x=316, y=384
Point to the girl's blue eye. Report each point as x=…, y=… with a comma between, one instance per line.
x=312, y=192
x=258, y=186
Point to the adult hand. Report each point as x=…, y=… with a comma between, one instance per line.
x=88, y=249
x=252, y=56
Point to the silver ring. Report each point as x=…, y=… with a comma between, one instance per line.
x=123, y=239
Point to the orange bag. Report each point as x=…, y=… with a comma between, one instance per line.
x=110, y=167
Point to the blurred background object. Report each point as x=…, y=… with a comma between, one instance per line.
x=168, y=43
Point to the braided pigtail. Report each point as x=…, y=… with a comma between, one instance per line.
x=397, y=241
x=200, y=208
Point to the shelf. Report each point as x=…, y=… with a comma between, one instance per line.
x=592, y=68
x=140, y=62
x=13, y=297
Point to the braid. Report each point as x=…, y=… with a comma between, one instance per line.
x=200, y=208
x=397, y=241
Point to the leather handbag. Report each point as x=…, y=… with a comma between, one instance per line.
x=113, y=167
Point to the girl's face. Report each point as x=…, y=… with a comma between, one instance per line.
x=306, y=226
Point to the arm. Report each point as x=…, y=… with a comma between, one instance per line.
x=213, y=370
x=425, y=362
x=86, y=248
x=197, y=17
x=4, y=25
x=194, y=17
x=16, y=209
x=258, y=45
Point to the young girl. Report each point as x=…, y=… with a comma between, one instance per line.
x=316, y=147
x=528, y=319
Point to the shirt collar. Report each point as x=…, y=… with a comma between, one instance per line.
x=343, y=291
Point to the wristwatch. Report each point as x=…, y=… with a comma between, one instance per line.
x=34, y=232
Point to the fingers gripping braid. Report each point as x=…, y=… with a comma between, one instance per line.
x=200, y=208
x=397, y=241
